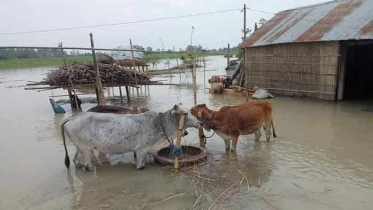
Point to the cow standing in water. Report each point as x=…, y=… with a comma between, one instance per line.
x=118, y=134
x=232, y=121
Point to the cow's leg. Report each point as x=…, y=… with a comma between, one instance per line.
x=257, y=135
x=227, y=144
x=78, y=158
x=234, y=143
x=140, y=159
x=87, y=159
x=267, y=128
x=149, y=158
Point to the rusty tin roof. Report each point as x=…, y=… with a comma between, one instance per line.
x=330, y=21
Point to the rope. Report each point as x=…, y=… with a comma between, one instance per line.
x=205, y=137
x=164, y=132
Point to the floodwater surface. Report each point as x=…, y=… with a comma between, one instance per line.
x=322, y=158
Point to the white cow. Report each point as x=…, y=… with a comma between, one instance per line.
x=117, y=134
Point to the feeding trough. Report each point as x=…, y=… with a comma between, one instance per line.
x=191, y=155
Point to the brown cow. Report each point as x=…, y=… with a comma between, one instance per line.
x=232, y=121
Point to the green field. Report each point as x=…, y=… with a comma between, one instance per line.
x=29, y=63
x=39, y=62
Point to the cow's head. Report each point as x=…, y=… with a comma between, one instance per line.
x=203, y=114
x=190, y=120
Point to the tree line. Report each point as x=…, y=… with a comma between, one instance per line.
x=10, y=54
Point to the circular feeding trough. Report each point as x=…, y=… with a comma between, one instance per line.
x=192, y=155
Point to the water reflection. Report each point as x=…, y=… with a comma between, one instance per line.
x=321, y=160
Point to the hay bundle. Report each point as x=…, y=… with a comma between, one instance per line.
x=84, y=74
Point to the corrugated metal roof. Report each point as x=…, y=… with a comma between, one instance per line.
x=335, y=20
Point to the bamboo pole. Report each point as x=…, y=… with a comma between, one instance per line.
x=228, y=55
x=204, y=72
x=134, y=66
x=194, y=79
x=178, y=140
x=71, y=83
x=100, y=91
x=121, y=95
x=178, y=68
x=128, y=94
x=200, y=130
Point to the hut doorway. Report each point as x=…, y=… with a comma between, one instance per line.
x=359, y=71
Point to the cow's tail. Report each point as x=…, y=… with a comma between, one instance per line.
x=67, y=158
x=274, y=132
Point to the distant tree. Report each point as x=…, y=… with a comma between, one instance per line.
x=239, y=54
x=262, y=21
x=191, y=48
x=149, y=49
x=138, y=47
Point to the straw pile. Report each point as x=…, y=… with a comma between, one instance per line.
x=84, y=74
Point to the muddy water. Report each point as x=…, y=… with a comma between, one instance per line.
x=322, y=158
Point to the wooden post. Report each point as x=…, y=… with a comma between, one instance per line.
x=200, y=130
x=177, y=63
x=204, y=72
x=178, y=140
x=63, y=54
x=228, y=56
x=342, y=72
x=100, y=90
x=96, y=90
x=194, y=79
x=128, y=95
x=120, y=93
x=134, y=66
x=70, y=97
x=244, y=39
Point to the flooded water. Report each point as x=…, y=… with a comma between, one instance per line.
x=322, y=158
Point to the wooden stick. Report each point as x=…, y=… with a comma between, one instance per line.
x=120, y=93
x=128, y=94
x=178, y=68
x=134, y=66
x=100, y=91
x=178, y=141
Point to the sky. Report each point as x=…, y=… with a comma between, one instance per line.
x=211, y=31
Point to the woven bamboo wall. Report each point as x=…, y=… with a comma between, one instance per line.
x=295, y=69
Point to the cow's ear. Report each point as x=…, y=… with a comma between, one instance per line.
x=175, y=110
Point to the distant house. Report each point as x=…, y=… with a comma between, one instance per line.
x=320, y=51
x=126, y=55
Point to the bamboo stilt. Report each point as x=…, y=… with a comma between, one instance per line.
x=178, y=141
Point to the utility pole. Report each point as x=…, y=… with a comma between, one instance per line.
x=244, y=22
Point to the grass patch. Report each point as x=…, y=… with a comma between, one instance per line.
x=39, y=62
